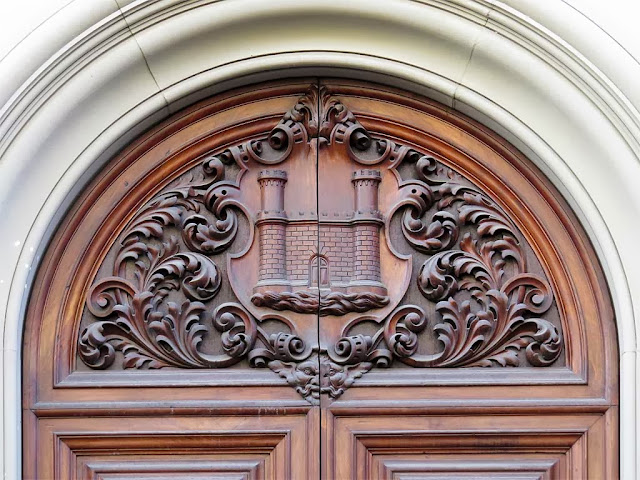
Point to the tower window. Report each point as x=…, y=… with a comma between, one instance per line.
x=319, y=271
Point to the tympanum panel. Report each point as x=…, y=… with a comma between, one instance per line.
x=329, y=263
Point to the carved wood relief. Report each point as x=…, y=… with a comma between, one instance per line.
x=320, y=279
x=328, y=270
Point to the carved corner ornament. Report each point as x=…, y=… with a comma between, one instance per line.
x=309, y=264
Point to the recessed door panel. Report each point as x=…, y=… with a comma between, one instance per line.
x=173, y=357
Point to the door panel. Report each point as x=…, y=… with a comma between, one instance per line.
x=183, y=237
x=237, y=446
x=184, y=283
x=440, y=276
x=452, y=446
x=320, y=279
x=484, y=283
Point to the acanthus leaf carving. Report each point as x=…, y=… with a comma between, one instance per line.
x=500, y=318
x=486, y=306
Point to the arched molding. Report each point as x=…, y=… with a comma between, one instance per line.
x=572, y=115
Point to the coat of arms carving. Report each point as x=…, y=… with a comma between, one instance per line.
x=344, y=250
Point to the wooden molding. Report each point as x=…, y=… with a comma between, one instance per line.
x=558, y=446
x=270, y=446
x=414, y=325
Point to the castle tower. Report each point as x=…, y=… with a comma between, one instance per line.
x=367, y=222
x=272, y=223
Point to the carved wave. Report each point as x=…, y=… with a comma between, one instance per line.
x=331, y=303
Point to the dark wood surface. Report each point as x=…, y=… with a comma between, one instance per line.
x=320, y=279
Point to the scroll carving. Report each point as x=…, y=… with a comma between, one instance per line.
x=148, y=267
x=483, y=306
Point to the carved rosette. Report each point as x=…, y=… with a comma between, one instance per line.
x=155, y=303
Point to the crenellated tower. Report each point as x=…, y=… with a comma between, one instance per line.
x=367, y=221
x=272, y=229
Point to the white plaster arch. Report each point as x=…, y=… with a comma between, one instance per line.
x=99, y=80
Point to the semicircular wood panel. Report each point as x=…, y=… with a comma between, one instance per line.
x=320, y=279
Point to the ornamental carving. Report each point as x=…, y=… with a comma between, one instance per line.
x=320, y=251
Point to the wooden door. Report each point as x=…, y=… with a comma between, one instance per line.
x=320, y=279
x=490, y=352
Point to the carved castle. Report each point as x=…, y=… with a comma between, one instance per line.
x=341, y=260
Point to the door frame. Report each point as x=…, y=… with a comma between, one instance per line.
x=586, y=181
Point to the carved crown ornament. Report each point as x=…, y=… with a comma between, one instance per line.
x=343, y=250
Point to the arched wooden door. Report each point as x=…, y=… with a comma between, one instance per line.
x=320, y=279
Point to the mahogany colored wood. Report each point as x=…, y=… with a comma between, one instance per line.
x=425, y=422
x=320, y=279
x=479, y=446
x=238, y=446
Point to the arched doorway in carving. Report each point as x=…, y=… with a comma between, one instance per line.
x=320, y=279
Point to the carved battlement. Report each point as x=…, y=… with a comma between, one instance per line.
x=367, y=174
x=276, y=175
x=366, y=183
x=272, y=183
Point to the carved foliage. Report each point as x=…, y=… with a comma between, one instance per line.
x=501, y=317
x=135, y=308
x=488, y=304
x=155, y=306
x=138, y=318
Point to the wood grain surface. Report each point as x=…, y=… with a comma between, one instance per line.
x=320, y=278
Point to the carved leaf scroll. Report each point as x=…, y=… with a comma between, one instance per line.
x=134, y=308
x=156, y=306
x=488, y=305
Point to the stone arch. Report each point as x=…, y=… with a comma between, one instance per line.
x=46, y=162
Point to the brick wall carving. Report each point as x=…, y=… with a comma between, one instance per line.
x=302, y=241
x=343, y=247
x=272, y=251
x=366, y=263
x=337, y=244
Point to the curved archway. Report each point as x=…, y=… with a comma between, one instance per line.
x=451, y=253
x=537, y=117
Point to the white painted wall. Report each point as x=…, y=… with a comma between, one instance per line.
x=557, y=78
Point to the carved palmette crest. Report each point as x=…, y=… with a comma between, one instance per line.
x=345, y=252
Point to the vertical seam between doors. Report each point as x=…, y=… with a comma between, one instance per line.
x=319, y=113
